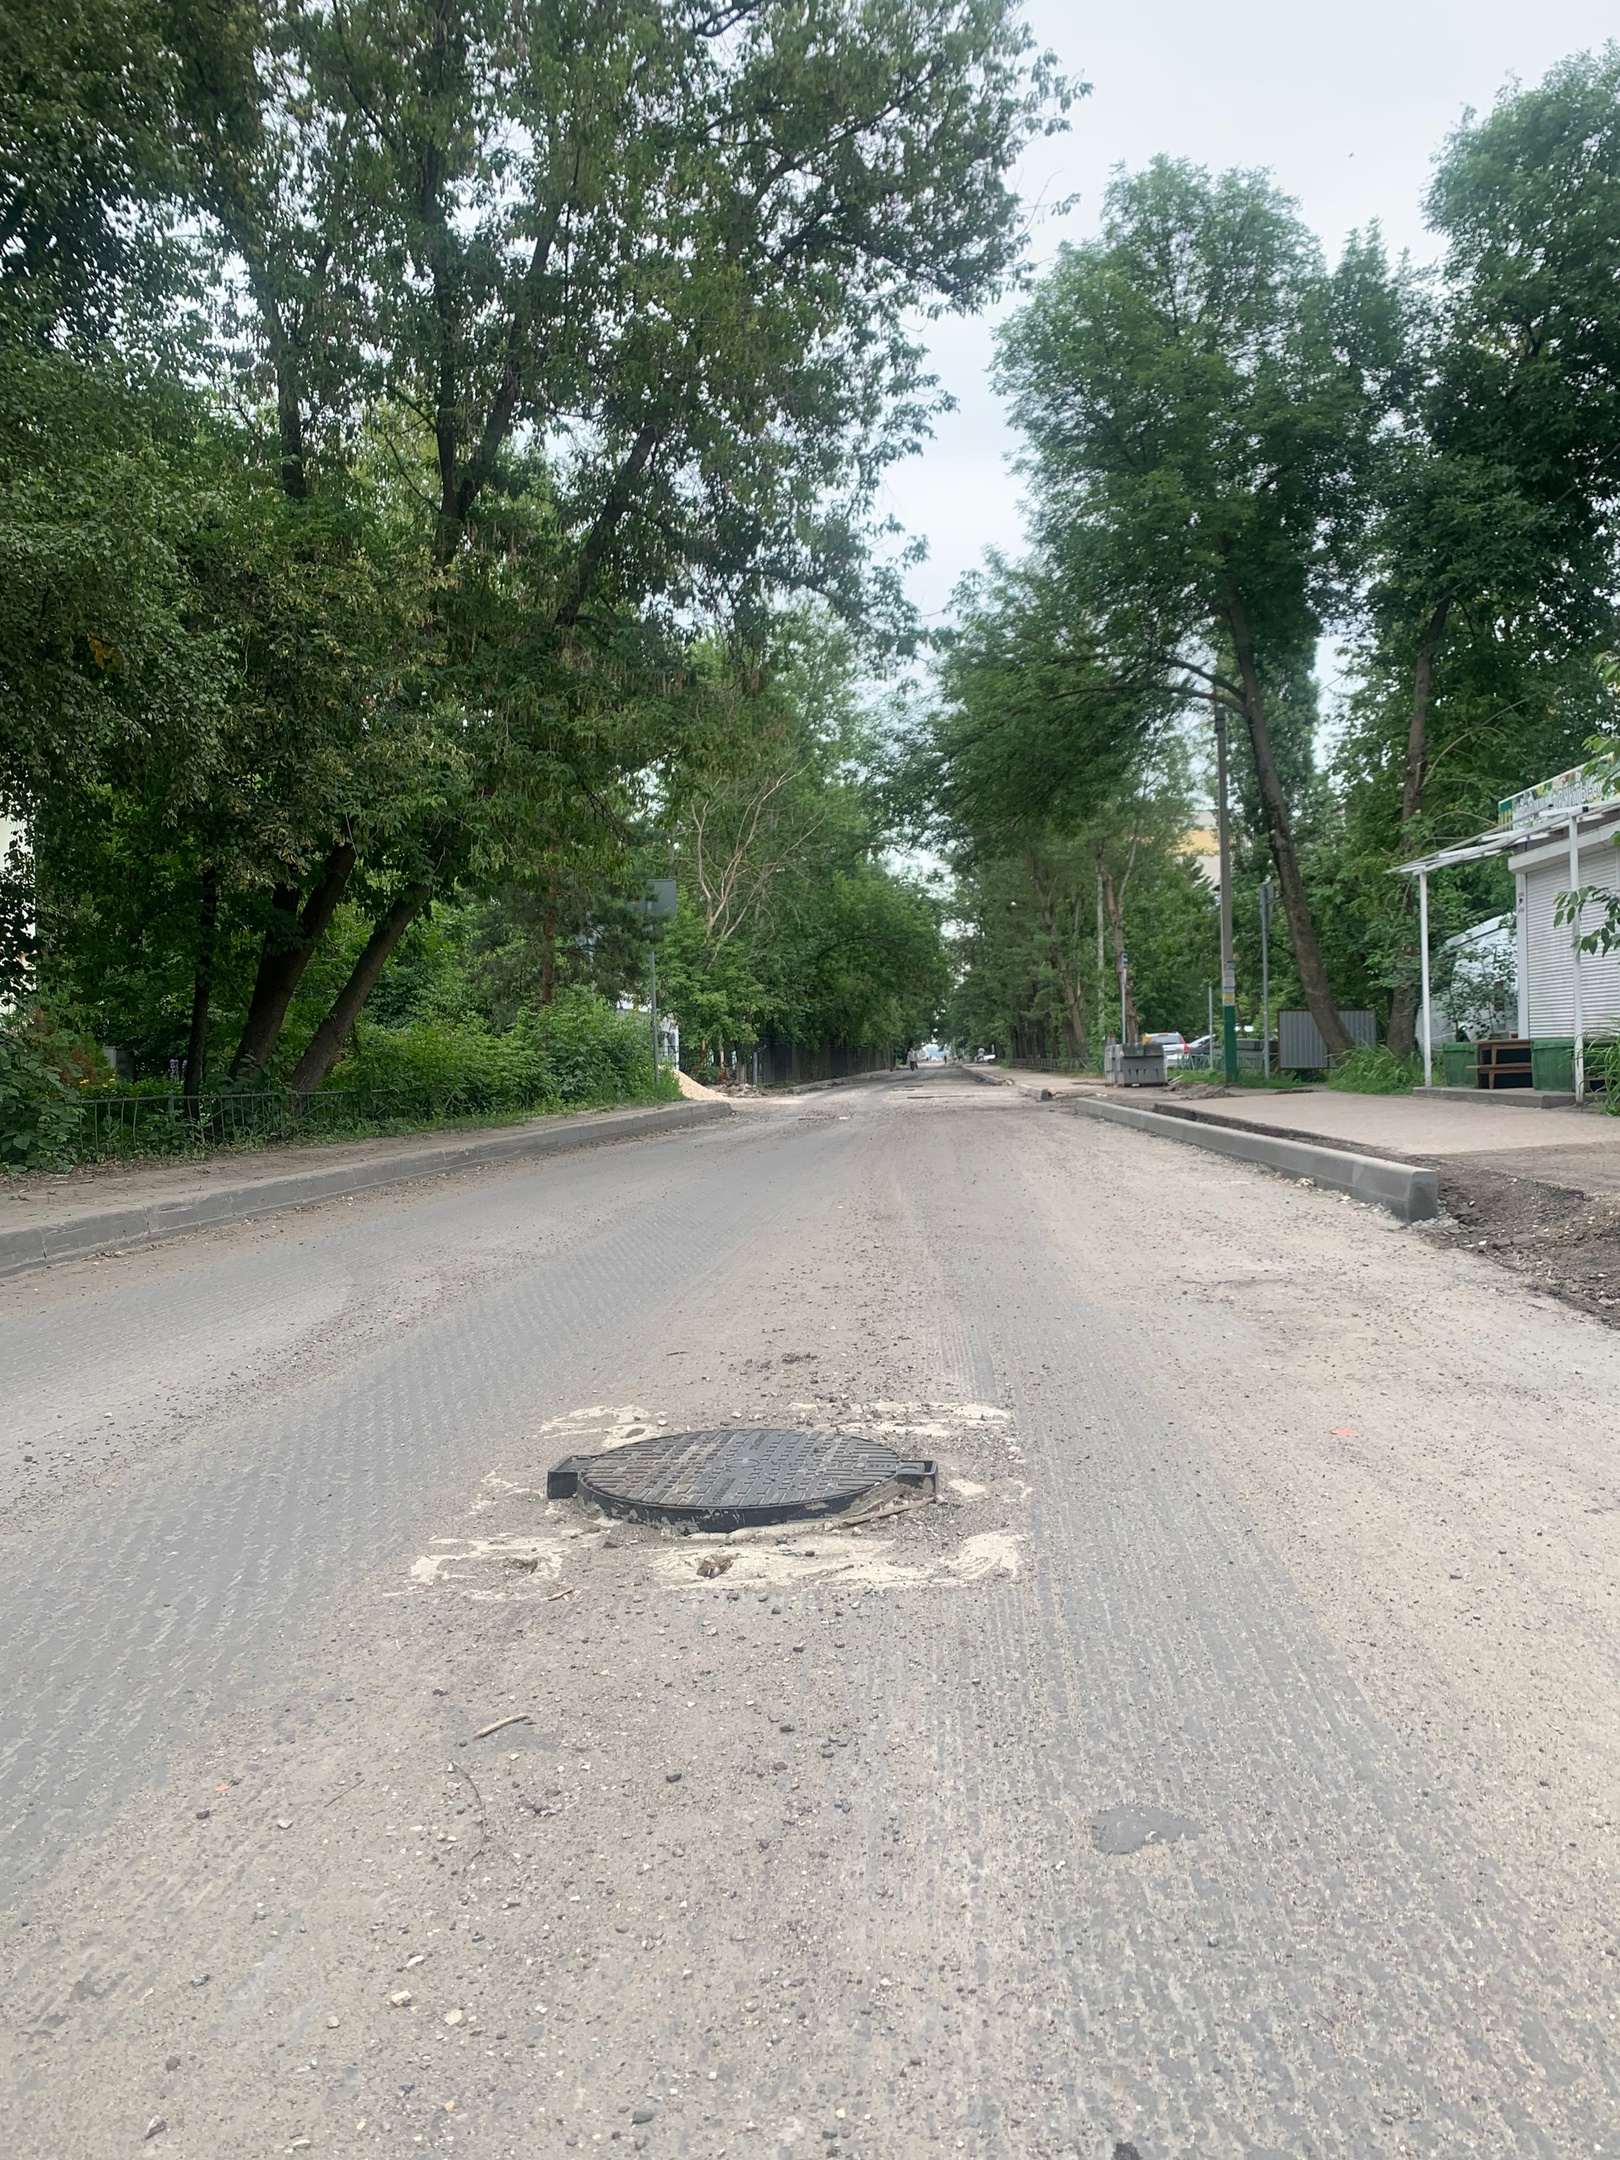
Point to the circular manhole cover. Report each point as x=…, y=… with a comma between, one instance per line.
x=735, y=1476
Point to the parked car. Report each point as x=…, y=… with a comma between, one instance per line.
x=1176, y=1047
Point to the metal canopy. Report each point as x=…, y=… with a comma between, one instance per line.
x=735, y=1476
x=1560, y=817
x=1504, y=839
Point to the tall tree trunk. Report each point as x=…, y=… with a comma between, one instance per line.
x=548, y=939
x=1279, y=831
x=330, y=1036
x=1116, y=917
x=1403, y=1002
x=285, y=955
x=1074, y=1004
x=202, y=988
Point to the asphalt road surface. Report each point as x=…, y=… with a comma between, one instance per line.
x=1225, y=1767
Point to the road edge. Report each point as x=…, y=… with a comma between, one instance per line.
x=1409, y=1191
x=46, y=1244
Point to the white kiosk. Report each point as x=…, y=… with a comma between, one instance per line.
x=1560, y=837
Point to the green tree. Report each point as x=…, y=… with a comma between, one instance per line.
x=792, y=926
x=87, y=171
x=1202, y=400
x=625, y=303
x=1492, y=588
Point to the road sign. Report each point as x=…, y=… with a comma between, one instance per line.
x=658, y=902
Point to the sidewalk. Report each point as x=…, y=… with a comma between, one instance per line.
x=1518, y=1138
x=1579, y=1148
x=49, y=1217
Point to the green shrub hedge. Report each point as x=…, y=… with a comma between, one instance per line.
x=40, y=1087
x=577, y=1052
x=56, y=1107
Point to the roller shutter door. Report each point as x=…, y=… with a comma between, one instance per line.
x=1548, y=955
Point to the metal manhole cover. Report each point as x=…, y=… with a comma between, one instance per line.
x=735, y=1476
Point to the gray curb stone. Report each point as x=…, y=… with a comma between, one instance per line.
x=75, y=1237
x=1497, y=1098
x=1408, y=1191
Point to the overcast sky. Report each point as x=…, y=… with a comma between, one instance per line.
x=1346, y=104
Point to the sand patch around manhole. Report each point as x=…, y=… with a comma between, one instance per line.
x=578, y=1541
x=541, y=1558
x=760, y=1560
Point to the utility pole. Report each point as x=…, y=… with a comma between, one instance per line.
x=657, y=904
x=1229, y=1056
x=1101, y=961
x=1266, y=892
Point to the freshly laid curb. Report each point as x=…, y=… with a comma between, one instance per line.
x=815, y=1087
x=1411, y=1193
x=43, y=1244
x=987, y=1078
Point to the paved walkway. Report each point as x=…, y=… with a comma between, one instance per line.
x=1408, y=1125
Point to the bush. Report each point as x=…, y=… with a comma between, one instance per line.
x=577, y=1052
x=1371, y=1069
x=42, y=1073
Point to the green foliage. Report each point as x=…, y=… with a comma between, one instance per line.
x=104, y=667
x=1372, y=1069
x=1204, y=401
x=578, y=1053
x=1610, y=1074
x=1197, y=388
x=1528, y=198
x=86, y=164
x=1236, y=448
x=1036, y=724
x=397, y=457
x=1030, y=982
x=43, y=1073
x=791, y=925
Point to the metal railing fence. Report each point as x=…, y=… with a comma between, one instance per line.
x=140, y=1122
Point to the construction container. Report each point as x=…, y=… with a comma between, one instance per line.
x=1552, y=1063
x=1461, y=1064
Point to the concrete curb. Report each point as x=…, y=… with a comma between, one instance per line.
x=816, y=1087
x=1006, y=1079
x=1495, y=1098
x=1409, y=1192
x=44, y=1244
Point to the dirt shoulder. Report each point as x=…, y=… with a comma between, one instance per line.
x=1547, y=1208
x=1563, y=1237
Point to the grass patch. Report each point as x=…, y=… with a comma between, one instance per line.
x=1371, y=1069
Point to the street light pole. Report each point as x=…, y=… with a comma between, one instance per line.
x=657, y=904
x=1229, y=1056
x=1266, y=890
